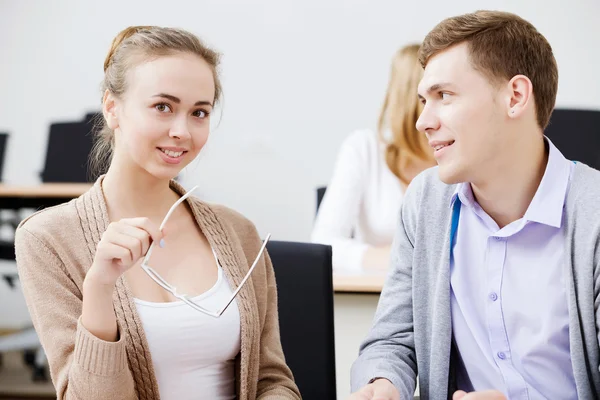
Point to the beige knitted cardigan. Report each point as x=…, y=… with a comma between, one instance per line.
x=55, y=248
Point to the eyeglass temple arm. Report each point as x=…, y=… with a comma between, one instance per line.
x=158, y=279
x=165, y=219
x=174, y=206
x=247, y=274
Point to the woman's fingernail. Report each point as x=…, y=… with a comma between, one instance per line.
x=161, y=243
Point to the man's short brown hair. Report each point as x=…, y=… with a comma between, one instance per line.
x=502, y=45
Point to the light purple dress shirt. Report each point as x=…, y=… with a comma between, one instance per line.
x=510, y=316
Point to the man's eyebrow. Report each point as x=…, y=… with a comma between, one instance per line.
x=434, y=88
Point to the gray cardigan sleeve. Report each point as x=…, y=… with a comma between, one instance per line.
x=389, y=349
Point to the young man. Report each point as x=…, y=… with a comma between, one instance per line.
x=495, y=279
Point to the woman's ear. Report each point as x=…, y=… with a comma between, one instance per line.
x=109, y=109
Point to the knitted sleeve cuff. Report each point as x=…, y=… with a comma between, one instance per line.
x=97, y=356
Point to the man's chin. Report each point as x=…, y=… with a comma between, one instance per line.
x=449, y=175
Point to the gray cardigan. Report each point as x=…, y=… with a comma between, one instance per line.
x=412, y=329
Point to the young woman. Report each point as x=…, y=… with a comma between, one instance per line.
x=104, y=274
x=358, y=213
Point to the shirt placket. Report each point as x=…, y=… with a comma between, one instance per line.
x=498, y=337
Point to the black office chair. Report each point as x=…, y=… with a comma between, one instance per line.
x=305, y=294
x=3, y=145
x=6, y=247
x=576, y=133
x=69, y=146
x=320, y=194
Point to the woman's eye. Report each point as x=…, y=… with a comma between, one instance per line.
x=200, y=114
x=162, y=107
x=444, y=96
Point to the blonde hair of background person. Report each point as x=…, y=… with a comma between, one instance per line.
x=109, y=331
x=358, y=213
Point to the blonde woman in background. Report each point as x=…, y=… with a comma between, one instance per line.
x=358, y=214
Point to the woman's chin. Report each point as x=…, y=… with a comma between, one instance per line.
x=165, y=174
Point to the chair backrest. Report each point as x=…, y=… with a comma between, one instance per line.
x=576, y=133
x=69, y=146
x=320, y=194
x=305, y=301
x=3, y=145
x=6, y=247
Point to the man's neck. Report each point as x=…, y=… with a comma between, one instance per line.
x=506, y=196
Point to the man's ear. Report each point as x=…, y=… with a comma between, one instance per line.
x=520, y=95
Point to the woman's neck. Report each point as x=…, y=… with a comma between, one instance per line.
x=133, y=192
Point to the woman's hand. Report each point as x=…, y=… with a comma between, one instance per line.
x=121, y=246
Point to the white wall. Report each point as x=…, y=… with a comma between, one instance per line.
x=298, y=77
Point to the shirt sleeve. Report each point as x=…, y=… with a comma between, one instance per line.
x=339, y=210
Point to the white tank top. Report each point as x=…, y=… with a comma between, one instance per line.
x=193, y=354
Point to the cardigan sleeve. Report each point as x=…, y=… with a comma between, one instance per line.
x=82, y=366
x=275, y=379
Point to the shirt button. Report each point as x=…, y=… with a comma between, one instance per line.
x=499, y=239
x=493, y=296
x=501, y=355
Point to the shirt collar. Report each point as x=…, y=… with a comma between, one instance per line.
x=547, y=204
x=549, y=200
x=464, y=194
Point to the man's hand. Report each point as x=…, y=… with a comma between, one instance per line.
x=381, y=389
x=486, y=395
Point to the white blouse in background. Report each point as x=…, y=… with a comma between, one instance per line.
x=193, y=354
x=361, y=203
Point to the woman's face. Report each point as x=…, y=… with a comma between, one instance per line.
x=162, y=120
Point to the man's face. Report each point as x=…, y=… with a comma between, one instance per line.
x=463, y=117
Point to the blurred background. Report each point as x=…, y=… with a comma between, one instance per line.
x=298, y=77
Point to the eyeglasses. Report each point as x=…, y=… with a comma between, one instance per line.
x=173, y=290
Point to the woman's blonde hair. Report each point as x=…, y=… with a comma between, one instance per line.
x=401, y=109
x=132, y=46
